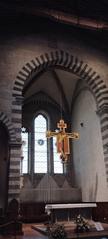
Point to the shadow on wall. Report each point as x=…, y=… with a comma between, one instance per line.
x=93, y=190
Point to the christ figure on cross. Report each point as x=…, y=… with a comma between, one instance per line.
x=62, y=139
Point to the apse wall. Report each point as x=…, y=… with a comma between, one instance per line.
x=87, y=151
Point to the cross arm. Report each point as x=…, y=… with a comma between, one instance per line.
x=50, y=134
x=73, y=135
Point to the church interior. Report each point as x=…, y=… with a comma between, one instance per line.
x=53, y=70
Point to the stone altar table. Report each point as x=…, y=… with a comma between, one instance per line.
x=69, y=211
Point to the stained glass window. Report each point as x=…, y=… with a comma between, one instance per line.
x=40, y=144
x=58, y=166
x=41, y=149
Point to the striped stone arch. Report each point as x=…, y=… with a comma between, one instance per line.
x=68, y=62
x=12, y=142
x=4, y=119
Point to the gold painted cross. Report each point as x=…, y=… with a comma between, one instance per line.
x=62, y=139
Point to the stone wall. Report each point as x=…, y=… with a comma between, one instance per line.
x=19, y=48
x=88, y=151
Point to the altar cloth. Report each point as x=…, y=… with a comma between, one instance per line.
x=63, y=211
x=69, y=205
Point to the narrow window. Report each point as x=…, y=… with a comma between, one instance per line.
x=58, y=166
x=24, y=155
x=40, y=144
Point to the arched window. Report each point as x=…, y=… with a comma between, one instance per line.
x=40, y=150
x=40, y=144
x=24, y=154
x=58, y=166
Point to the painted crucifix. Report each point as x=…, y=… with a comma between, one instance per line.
x=62, y=138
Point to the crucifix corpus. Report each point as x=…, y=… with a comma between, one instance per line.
x=62, y=139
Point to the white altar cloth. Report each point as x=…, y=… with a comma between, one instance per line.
x=49, y=207
x=52, y=209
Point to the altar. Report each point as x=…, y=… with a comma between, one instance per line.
x=69, y=211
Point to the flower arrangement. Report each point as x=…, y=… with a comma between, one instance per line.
x=82, y=224
x=56, y=231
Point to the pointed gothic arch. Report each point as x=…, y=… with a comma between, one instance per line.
x=65, y=61
x=73, y=64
